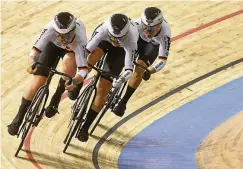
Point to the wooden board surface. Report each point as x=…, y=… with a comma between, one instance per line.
x=190, y=57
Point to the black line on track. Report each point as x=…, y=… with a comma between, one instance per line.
x=150, y=104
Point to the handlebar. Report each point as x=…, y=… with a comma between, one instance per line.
x=103, y=72
x=53, y=70
x=115, y=76
x=141, y=66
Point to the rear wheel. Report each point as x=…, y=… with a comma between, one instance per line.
x=79, y=110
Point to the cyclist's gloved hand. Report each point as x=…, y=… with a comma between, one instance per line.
x=146, y=75
x=69, y=85
x=32, y=67
x=117, y=82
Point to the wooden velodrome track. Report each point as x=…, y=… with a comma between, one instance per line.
x=201, y=51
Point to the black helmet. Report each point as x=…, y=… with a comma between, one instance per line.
x=64, y=22
x=118, y=25
x=152, y=16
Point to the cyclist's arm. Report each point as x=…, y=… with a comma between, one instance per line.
x=94, y=57
x=163, y=55
x=164, y=41
x=40, y=44
x=95, y=53
x=80, y=57
x=80, y=52
x=34, y=53
x=129, y=58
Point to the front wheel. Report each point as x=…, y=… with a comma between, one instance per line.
x=114, y=95
x=31, y=113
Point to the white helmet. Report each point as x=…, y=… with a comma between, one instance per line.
x=118, y=25
x=64, y=22
x=152, y=16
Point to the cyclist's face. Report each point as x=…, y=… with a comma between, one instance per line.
x=65, y=38
x=151, y=31
x=116, y=41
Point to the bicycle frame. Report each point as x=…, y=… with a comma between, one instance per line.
x=80, y=106
x=33, y=115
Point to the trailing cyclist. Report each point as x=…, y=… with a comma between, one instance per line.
x=154, y=42
x=64, y=37
x=117, y=38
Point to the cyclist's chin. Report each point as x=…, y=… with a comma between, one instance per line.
x=115, y=44
x=148, y=35
x=64, y=42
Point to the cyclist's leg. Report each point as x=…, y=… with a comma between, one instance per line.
x=114, y=63
x=104, y=84
x=134, y=81
x=147, y=54
x=69, y=67
x=39, y=79
x=103, y=88
x=92, y=59
x=52, y=108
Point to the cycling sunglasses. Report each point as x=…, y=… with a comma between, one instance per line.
x=66, y=37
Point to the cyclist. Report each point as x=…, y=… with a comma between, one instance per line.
x=117, y=37
x=154, y=42
x=64, y=37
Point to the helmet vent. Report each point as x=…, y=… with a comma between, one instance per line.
x=151, y=13
x=63, y=20
x=118, y=22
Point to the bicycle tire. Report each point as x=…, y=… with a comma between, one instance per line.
x=75, y=111
x=41, y=110
x=81, y=114
x=28, y=113
x=107, y=106
x=30, y=116
x=117, y=97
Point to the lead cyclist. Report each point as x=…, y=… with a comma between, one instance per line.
x=65, y=37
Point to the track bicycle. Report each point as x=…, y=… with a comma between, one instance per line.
x=36, y=109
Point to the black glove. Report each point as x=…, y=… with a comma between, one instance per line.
x=146, y=75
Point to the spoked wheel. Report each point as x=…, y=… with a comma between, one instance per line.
x=30, y=116
x=107, y=106
x=118, y=96
x=75, y=110
x=78, y=118
x=25, y=131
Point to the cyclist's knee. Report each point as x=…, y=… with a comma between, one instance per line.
x=138, y=72
x=40, y=71
x=69, y=64
x=137, y=75
x=141, y=62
